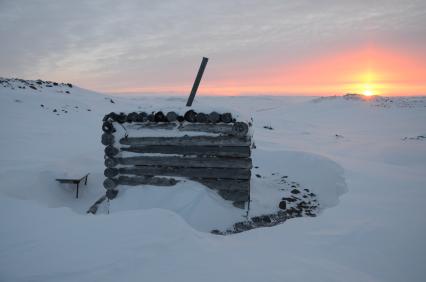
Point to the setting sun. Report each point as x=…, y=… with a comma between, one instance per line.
x=368, y=92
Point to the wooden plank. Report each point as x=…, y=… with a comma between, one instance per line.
x=225, y=184
x=236, y=196
x=184, y=162
x=237, y=129
x=226, y=173
x=237, y=152
x=152, y=125
x=197, y=81
x=188, y=141
x=94, y=208
x=146, y=180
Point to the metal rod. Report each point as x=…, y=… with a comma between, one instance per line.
x=197, y=82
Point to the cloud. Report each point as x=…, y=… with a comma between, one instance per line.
x=108, y=45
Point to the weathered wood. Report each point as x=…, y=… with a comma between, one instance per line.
x=146, y=180
x=107, y=139
x=159, y=117
x=132, y=117
x=142, y=117
x=240, y=129
x=111, y=151
x=111, y=172
x=190, y=116
x=202, y=118
x=226, y=117
x=111, y=194
x=182, y=162
x=94, y=208
x=111, y=162
x=225, y=184
x=234, y=196
x=236, y=129
x=171, y=116
x=237, y=152
x=121, y=118
x=197, y=81
x=214, y=117
x=226, y=173
x=110, y=183
x=108, y=127
x=188, y=141
x=155, y=125
x=150, y=117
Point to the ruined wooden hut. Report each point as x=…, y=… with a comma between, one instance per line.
x=163, y=148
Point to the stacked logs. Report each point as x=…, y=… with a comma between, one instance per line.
x=218, y=156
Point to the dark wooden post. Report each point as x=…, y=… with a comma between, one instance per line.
x=197, y=81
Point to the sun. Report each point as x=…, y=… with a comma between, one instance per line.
x=367, y=92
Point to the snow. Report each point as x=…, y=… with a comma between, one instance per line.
x=373, y=232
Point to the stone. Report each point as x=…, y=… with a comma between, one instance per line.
x=295, y=191
x=283, y=205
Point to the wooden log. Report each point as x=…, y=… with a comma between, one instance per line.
x=150, y=117
x=182, y=162
x=188, y=141
x=236, y=129
x=160, y=117
x=111, y=151
x=111, y=194
x=226, y=117
x=190, y=116
x=226, y=173
x=132, y=117
x=240, y=129
x=171, y=116
x=214, y=117
x=202, y=118
x=110, y=172
x=94, y=208
x=225, y=184
x=108, y=127
x=111, y=162
x=107, y=139
x=180, y=119
x=110, y=117
x=236, y=152
x=142, y=117
x=146, y=180
x=121, y=118
x=110, y=183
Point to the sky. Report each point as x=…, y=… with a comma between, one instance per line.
x=322, y=47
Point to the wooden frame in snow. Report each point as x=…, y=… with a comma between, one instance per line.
x=213, y=149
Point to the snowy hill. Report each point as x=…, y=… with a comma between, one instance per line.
x=367, y=148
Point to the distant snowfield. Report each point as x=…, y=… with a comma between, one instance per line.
x=372, y=150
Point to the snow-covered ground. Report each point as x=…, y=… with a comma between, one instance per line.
x=372, y=149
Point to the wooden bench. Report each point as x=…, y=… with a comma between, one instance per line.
x=74, y=181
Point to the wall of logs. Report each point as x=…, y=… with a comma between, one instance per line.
x=217, y=155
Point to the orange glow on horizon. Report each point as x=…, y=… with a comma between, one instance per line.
x=368, y=71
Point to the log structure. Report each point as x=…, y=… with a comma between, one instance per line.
x=160, y=148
